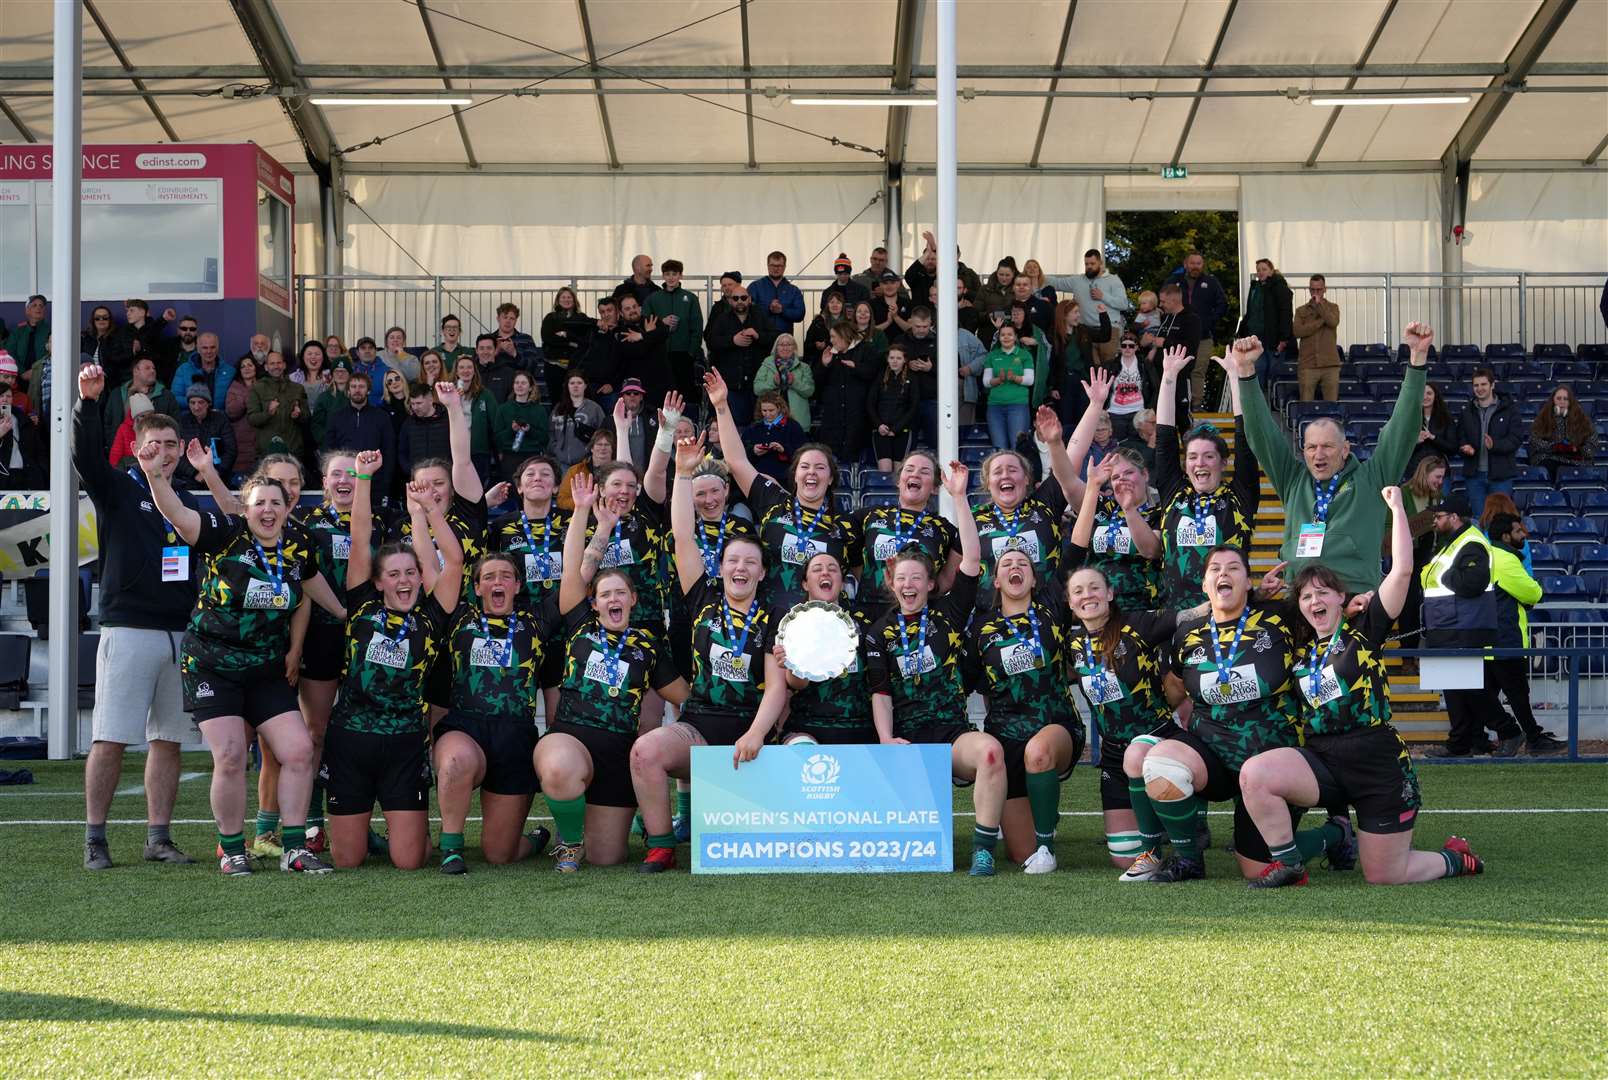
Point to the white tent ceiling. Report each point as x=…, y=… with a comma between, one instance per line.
x=177, y=49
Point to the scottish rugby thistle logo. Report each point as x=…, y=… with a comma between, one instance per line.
x=820, y=769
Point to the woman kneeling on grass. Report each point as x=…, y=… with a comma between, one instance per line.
x=242, y=651
x=377, y=748
x=728, y=696
x=1235, y=664
x=1352, y=753
x=584, y=759
x=915, y=658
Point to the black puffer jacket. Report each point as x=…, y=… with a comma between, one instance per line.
x=893, y=401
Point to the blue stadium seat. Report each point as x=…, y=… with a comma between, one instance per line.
x=1554, y=351
x=1582, y=478
x=1369, y=370
x=845, y=479
x=1595, y=351
x=875, y=480
x=1560, y=585
x=875, y=500
x=1538, y=528
x=1593, y=556
x=1543, y=552
x=1595, y=581
x=1574, y=531
x=1531, y=500
x=1591, y=503
x=972, y=456
x=1404, y=354
x=1375, y=351
x=1460, y=352
x=974, y=433
x=843, y=502
x=1506, y=350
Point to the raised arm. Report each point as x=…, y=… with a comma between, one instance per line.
x=622, y=432
x=683, y=518
x=185, y=522
x=1145, y=539
x=655, y=478
x=971, y=548
x=360, y=558
x=1393, y=590
x=465, y=481
x=1400, y=433
x=89, y=431
x=578, y=570
x=1173, y=362
x=731, y=440
x=1066, y=461
x=200, y=459
x=1083, y=527
x=1263, y=432
x=448, y=584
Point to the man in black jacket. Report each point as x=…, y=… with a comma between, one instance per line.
x=23, y=462
x=640, y=284
x=845, y=286
x=211, y=428
x=1268, y=311
x=1179, y=326
x=1490, y=431
x=739, y=340
x=920, y=347
x=148, y=586
x=496, y=369
x=144, y=336
x=641, y=346
x=512, y=342
x=425, y=432
x=603, y=364
x=362, y=425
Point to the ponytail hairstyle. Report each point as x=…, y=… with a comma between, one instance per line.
x=1110, y=635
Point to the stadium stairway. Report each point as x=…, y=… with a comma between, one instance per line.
x=1417, y=713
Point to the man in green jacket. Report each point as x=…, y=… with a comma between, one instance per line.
x=1332, y=508
x=277, y=408
x=679, y=310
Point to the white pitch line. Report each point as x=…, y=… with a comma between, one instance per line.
x=958, y=813
x=139, y=789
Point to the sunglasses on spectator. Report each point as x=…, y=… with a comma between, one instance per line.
x=187, y=329
x=102, y=318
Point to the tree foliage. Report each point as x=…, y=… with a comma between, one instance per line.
x=1144, y=247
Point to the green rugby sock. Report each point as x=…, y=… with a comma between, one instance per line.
x=985, y=838
x=267, y=821
x=452, y=843
x=683, y=800
x=1044, y=798
x=569, y=815
x=1200, y=817
x=662, y=840
x=1144, y=810
x=1314, y=842
x=232, y=843
x=1290, y=854
x=1454, y=863
x=315, y=805
x=294, y=836
x=1178, y=818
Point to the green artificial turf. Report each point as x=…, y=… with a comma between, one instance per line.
x=150, y=970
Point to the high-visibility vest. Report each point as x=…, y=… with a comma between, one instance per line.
x=1452, y=621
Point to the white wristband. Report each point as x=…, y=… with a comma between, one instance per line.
x=665, y=441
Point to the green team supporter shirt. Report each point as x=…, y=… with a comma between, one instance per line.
x=1034, y=527
x=886, y=531
x=388, y=655
x=330, y=531
x=1023, y=669
x=637, y=544
x=792, y=535
x=1124, y=689
x=840, y=704
x=1251, y=709
x=495, y=661
x=1353, y=689
x=606, y=674
x=728, y=654
x=539, y=543
x=927, y=680
x=241, y=620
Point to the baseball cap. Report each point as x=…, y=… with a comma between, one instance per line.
x=1455, y=503
x=631, y=386
x=889, y=275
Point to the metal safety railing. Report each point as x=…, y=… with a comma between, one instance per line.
x=355, y=306
x=1473, y=308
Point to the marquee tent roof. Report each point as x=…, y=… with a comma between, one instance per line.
x=639, y=85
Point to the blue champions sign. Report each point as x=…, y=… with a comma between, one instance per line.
x=823, y=810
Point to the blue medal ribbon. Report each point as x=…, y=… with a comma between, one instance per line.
x=1199, y=512
x=382, y=616
x=712, y=552
x=612, y=650
x=1097, y=670
x=1035, y=640
x=900, y=536
x=805, y=527
x=1319, y=659
x=738, y=645
x=921, y=641
x=507, y=644
x=1113, y=524
x=1322, y=498
x=1225, y=665
x=544, y=561
x=276, y=571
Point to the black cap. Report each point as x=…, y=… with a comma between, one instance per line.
x=889, y=275
x=734, y=275
x=1455, y=503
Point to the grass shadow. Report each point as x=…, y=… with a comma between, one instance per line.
x=19, y=1006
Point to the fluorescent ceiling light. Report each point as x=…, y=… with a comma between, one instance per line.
x=879, y=101
x=1445, y=99
x=391, y=101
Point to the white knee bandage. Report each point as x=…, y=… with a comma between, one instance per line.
x=1173, y=773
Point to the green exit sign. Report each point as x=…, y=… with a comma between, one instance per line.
x=1175, y=172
